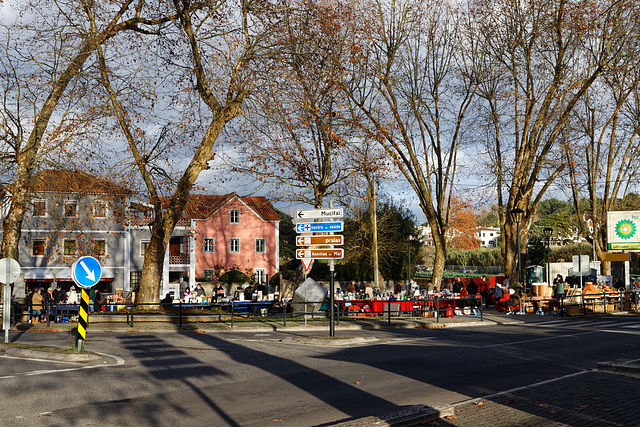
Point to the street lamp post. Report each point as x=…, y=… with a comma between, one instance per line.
x=547, y=232
x=409, y=235
x=516, y=216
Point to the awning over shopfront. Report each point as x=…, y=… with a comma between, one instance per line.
x=38, y=275
x=107, y=276
x=64, y=275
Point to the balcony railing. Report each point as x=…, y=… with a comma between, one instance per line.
x=179, y=259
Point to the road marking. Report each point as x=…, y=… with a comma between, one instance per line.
x=551, y=322
x=119, y=361
x=583, y=322
x=537, y=339
x=633, y=325
x=42, y=360
x=600, y=325
x=517, y=389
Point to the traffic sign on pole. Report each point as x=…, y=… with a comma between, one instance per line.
x=313, y=227
x=319, y=240
x=319, y=213
x=320, y=253
x=86, y=271
x=9, y=273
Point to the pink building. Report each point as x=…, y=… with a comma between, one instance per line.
x=233, y=232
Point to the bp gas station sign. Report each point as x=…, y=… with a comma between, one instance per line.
x=623, y=231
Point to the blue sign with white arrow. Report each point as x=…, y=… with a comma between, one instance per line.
x=313, y=227
x=86, y=271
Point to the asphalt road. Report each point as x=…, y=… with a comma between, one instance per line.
x=295, y=378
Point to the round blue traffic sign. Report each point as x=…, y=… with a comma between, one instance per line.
x=86, y=271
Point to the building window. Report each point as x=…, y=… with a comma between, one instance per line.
x=134, y=279
x=70, y=247
x=234, y=245
x=39, y=247
x=208, y=245
x=100, y=247
x=207, y=275
x=260, y=246
x=70, y=209
x=99, y=210
x=39, y=208
x=143, y=247
x=261, y=275
x=234, y=216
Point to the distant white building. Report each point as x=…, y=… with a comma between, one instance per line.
x=487, y=236
x=425, y=235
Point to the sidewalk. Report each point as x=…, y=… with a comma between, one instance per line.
x=258, y=324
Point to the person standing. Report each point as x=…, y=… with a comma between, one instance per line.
x=262, y=287
x=36, y=306
x=199, y=291
x=218, y=292
x=248, y=293
x=472, y=288
x=560, y=293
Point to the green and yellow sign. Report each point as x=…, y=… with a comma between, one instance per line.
x=623, y=231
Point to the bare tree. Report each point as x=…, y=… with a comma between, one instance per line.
x=300, y=132
x=413, y=77
x=216, y=44
x=541, y=57
x=59, y=32
x=602, y=150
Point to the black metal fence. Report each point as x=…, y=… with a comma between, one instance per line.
x=179, y=313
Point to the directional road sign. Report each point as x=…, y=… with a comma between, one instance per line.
x=320, y=253
x=319, y=240
x=313, y=227
x=320, y=213
x=86, y=271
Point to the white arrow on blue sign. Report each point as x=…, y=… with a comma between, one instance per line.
x=313, y=227
x=86, y=271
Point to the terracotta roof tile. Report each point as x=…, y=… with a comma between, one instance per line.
x=263, y=207
x=201, y=206
x=63, y=181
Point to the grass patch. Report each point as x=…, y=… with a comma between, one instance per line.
x=43, y=348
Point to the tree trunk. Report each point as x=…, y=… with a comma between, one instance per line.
x=440, y=244
x=12, y=224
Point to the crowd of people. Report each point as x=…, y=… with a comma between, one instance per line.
x=449, y=288
x=218, y=294
x=42, y=299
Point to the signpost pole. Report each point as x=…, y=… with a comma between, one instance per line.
x=9, y=268
x=6, y=308
x=332, y=329
x=83, y=319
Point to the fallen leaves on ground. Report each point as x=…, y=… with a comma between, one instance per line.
x=451, y=417
x=509, y=402
x=582, y=407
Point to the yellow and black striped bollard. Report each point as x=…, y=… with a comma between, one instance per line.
x=83, y=319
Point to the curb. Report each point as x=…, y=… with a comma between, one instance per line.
x=619, y=366
x=50, y=355
x=407, y=416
